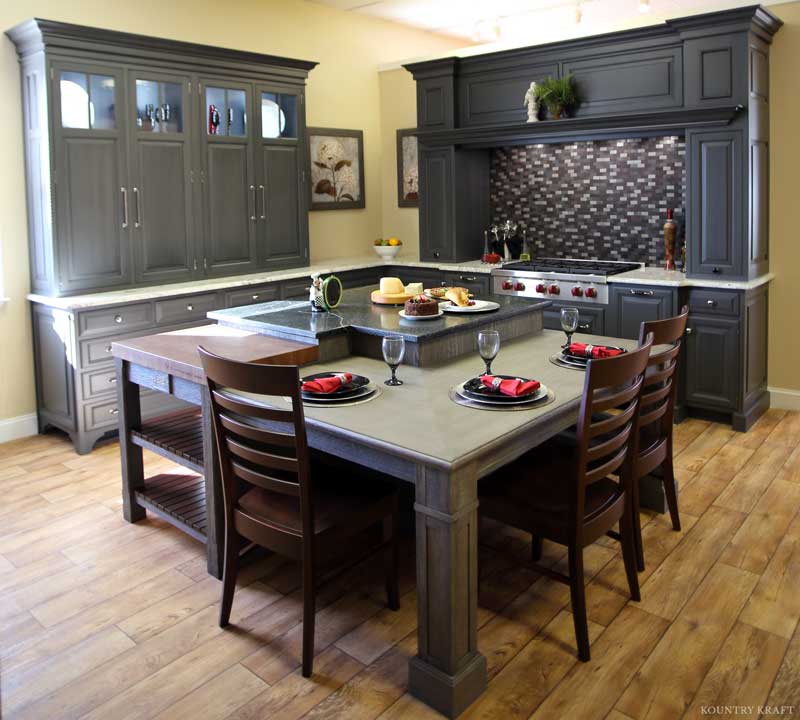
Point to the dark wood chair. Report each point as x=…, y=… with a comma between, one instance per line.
x=656, y=417
x=573, y=496
x=276, y=495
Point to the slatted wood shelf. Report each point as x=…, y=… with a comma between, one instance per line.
x=177, y=436
x=179, y=498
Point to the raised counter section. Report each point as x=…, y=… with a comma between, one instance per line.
x=358, y=326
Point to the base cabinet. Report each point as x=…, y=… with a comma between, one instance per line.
x=713, y=362
x=631, y=305
x=590, y=320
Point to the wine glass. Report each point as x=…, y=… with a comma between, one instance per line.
x=569, y=322
x=488, y=347
x=394, y=347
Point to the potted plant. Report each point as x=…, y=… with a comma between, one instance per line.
x=558, y=94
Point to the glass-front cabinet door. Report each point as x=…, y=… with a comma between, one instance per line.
x=92, y=195
x=228, y=179
x=281, y=213
x=162, y=207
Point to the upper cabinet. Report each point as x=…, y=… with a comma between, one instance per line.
x=152, y=161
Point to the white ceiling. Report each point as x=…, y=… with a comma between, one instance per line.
x=508, y=23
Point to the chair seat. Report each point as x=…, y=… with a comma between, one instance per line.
x=336, y=504
x=532, y=492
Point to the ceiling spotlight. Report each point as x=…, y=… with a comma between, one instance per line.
x=578, y=14
x=644, y=6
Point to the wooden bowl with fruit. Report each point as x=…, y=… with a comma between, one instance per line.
x=387, y=249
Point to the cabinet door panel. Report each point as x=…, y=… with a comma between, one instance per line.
x=712, y=363
x=633, y=305
x=278, y=211
x=436, y=204
x=716, y=203
x=230, y=244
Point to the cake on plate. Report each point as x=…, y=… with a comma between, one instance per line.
x=421, y=305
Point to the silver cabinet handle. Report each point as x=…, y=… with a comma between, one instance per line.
x=585, y=326
x=118, y=319
x=711, y=303
x=688, y=331
x=124, y=207
x=190, y=307
x=645, y=293
x=112, y=380
x=467, y=279
x=263, y=202
x=253, y=190
x=255, y=297
x=138, y=222
x=114, y=411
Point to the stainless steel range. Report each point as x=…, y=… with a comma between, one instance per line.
x=582, y=281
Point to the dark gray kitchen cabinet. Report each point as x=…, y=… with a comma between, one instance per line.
x=713, y=362
x=162, y=204
x=591, y=320
x=715, y=72
x=476, y=283
x=92, y=198
x=142, y=167
x=631, y=305
x=717, y=203
x=437, y=221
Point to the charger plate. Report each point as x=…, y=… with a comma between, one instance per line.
x=460, y=400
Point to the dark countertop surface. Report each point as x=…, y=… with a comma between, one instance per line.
x=358, y=312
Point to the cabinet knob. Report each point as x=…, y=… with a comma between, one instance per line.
x=113, y=411
x=711, y=303
x=118, y=319
x=255, y=297
x=688, y=331
x=108, y=348
x=112, y=380
x=715, y=270
x=189, y=306
x=436, y=255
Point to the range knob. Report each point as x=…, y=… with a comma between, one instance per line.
x=541, y=287
x=591, y=292
x=519, y=286
x=508, y=285
x=577, y=292
x=554, y=290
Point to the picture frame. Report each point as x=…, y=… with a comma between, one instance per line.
x=407, y=168
x=335, y=169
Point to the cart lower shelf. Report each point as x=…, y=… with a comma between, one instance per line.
x=179, y=498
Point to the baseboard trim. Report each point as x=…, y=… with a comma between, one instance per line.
x=784, y=398
x=18, y=427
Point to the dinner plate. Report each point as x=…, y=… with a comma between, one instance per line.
x=568, y=354
x=503, y=399
x=360, y=394
x=347, y=391
x=479, y=307
x=474, y=389
x=438, y=293
x=403, y=315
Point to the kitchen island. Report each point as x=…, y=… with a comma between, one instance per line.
x=459, y=445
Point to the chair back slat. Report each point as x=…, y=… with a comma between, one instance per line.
x=268, y=482
x=260, y=444
x=610, y=466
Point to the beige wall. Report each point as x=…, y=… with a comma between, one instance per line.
x=784, y=345
x=343, y=91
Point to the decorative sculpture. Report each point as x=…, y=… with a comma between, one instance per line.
x=533, y=103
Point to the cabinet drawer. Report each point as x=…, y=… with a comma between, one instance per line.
x=105, y=414
x=94, y=352
x=98, y=383
x=476, y=283
x=590, y=320
x=250, y=296
x=714, y=302
x=296, y=290
x=185, y=309
x=123, y=318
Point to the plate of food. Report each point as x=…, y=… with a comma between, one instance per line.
x=472, y=306
x=475, y=389
x=391, y=292
x=421, y=307
x=440, y=293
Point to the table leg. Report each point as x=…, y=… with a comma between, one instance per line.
x=448, y=672
x=130, y=416
x=215, y=511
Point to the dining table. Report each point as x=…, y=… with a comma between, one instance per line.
x=417, y=433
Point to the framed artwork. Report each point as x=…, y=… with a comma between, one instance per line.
x=336, y=160
x=407, y=169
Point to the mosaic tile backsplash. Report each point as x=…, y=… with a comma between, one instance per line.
x=603, y=200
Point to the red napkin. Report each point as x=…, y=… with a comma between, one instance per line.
x=513, y=387
x=594, y=351
x=327, y=384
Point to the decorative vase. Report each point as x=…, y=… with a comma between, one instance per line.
x=670, y=229
x=555, y=112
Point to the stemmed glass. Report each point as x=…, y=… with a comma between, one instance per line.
x=488, y=347
x=394, y=347
x=569, y=323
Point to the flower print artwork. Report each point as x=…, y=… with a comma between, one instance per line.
x=407, y=169
x=337, y=180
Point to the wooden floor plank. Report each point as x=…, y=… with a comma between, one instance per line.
x=703, y=448
x=663, y=689
x=760, y=431
x=749, y=484
x=785, y=691
x=787, y=431
x=744, y=669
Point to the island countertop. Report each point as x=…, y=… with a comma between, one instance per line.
x=356, y=312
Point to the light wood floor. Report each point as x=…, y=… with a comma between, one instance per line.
x=104, y=619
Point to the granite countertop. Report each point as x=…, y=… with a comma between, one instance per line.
x=356, y=311
x=675, y=278
x=324, y=267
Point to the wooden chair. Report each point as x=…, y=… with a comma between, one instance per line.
x=656, y=417
x=568, y=496
x=274, y=493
